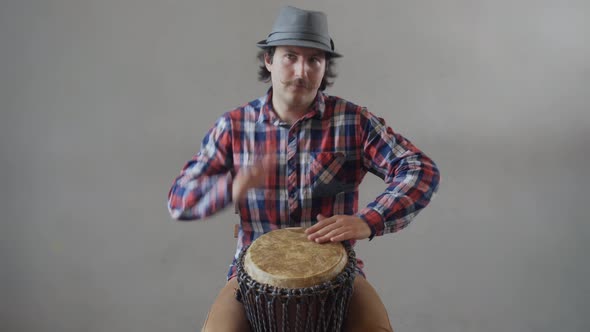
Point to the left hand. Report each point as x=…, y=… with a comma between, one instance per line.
x=338, y=228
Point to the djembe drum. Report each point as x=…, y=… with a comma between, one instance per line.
x=288, y=283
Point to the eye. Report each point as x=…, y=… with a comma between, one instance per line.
x=316, y=61
x=290, y=56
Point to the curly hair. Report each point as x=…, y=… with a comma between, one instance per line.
x=264, y=74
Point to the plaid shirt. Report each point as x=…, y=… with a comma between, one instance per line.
x=321, y=160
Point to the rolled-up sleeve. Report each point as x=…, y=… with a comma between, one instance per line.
x=412, y=178
x=204, y=184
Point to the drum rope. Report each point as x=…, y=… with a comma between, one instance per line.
x=317, y=308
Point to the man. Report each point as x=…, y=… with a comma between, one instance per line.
x=296, y=157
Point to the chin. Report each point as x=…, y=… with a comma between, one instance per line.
x=304, y=95
x=299, y=101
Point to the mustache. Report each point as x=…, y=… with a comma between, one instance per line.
x=299, y=82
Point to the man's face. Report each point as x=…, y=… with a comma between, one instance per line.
x=296, y=74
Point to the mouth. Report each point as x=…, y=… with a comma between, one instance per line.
x=299, y=86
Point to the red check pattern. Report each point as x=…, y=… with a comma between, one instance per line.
x=321, y=160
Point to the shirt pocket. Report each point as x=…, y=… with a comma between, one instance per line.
x=328, y=174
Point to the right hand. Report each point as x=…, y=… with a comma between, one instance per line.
x=251, y=177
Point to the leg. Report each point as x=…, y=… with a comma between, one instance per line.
x=366, y=311
x=227, y=314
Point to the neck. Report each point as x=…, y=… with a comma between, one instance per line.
x=290, y=112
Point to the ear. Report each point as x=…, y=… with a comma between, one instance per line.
x=267, y=61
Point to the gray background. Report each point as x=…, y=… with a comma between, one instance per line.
x=102, y=103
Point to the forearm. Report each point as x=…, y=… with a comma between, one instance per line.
x=409, y=191
x=412, y=178
x=195, y=198
x=204, y=184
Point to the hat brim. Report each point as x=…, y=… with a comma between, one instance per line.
x=300, y=43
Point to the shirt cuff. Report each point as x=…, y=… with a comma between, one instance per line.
x=374, y=220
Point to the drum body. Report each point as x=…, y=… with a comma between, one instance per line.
x=288, y=283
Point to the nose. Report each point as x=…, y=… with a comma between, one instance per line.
x=300, y=69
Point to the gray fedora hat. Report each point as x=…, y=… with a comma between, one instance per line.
x=298, y=27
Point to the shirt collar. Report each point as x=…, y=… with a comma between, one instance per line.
x=267, y=113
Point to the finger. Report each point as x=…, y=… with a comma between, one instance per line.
x=348, y=235
x=322, y=221
x=335, y=233
x=322, y=232
x=322, y=227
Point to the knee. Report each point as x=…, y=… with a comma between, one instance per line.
x=226, y=314
x=366, y=311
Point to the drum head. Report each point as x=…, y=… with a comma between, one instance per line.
x=285, y=258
